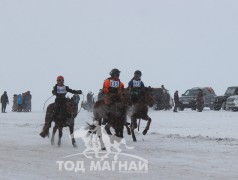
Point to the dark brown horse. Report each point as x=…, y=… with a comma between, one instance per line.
x=115, y=114
x=65, y=118
x=139, y=110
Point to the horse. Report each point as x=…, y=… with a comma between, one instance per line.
x=139, y=110
x=61, y=120
x=115, y=114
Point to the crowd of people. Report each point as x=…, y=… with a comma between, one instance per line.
x=22, y=102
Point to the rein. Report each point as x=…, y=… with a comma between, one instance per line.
x=46, y=101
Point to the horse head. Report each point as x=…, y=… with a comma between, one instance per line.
x=125, y=97
x=75, y=98
x=149, y=98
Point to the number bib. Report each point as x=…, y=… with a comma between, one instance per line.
x=61, y=90
x=136, y=83
x=114, y=84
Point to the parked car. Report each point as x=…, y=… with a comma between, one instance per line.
x=220, y=101
x=188, y=99
x=232, y=103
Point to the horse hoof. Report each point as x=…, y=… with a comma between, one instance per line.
x=144, y=132
x=75, y=145
x=103, y=149
x=134, y=140
x=42, y=135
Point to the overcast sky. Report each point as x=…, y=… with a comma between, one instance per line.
x=178, y=43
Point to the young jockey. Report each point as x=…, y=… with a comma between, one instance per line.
x=112, y=88
x=59, y=90
x=136, y=86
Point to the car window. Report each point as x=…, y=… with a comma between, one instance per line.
x=230, y=91
x=191, y=92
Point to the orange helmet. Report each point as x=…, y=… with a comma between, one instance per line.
x=60, y=78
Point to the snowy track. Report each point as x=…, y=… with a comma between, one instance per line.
x=184, y=145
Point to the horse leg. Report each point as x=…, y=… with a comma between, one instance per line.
x=99, y=134
x=128, y=129
x=60, y=135
x=107, y=128
x=71, y=130
x=53, y=135
x=133, y=127
x=120, y=129
x=148, y=125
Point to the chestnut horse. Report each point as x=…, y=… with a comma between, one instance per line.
x=115, y=114
x=61, y=120
x=139, y=110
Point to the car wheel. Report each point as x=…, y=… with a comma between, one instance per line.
x=193, y=108
x=217, y=108
x=180, y=108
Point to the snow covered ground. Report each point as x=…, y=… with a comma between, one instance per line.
x=184, y=145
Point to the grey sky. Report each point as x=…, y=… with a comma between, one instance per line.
x=178, y=43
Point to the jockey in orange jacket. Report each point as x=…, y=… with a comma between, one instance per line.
x=112, y=87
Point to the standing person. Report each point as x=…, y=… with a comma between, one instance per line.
x=136, y=86
x=28, y=101
x=59, y=90
x=112, y=88
x=4, y=101
x=19, y=103
x=90, y=100
x=14, y=105
x=100, y=94
x=166, y=99
x=200, y=101
x=176, y=101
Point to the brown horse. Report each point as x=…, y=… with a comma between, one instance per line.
x=61, y=120
x=115, y=114
x=139, y=110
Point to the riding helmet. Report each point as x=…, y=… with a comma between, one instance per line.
x=138, y=73
x=60, y=78
x=115, y=72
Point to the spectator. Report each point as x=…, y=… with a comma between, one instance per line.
x=100, y=94
x=166, y=99
x=14, y=106
x=176, y=101
x=90, y=100
x=27, y=101
x=200, y=101
x=4, y=101
x=19, y=103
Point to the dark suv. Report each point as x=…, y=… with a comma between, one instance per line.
x=220, y=101
x=188, y=99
